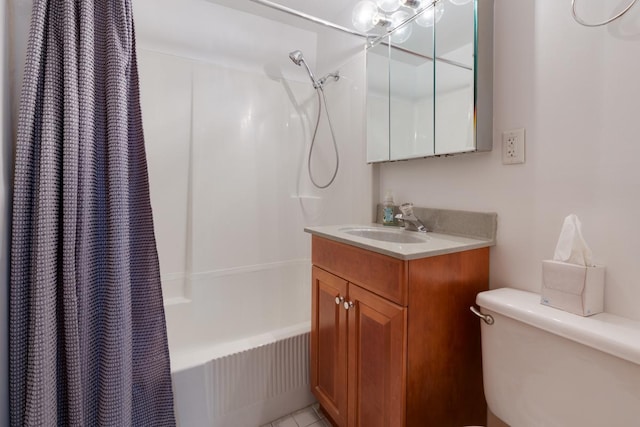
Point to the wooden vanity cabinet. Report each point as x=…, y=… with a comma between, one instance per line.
x=392, y=341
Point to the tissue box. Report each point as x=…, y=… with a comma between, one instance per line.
x=573, y=288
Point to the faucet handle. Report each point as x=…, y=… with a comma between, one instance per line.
x=407, y=210
x=411, y=222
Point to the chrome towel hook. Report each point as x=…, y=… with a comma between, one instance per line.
x=598, y=24
x=486, y=318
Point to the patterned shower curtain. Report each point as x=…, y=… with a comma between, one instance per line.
x=88, y=343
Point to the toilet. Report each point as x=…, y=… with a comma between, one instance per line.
x=546, y=367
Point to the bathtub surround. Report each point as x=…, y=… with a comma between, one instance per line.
x=87, y=330
x=228, y=124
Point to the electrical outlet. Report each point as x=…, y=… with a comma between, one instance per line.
x=513, y=147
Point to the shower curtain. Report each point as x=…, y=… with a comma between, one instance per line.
x=88, y=343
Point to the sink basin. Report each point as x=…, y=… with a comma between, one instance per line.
x=393, y=236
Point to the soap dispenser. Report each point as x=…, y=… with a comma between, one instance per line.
x=387, y=209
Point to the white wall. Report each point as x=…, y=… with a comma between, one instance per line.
x=5, y=174
x=576, y=92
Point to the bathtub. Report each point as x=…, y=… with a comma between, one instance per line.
x=239, y=343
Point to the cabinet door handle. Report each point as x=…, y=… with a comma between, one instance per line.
x=339, y=300
x=348, y=305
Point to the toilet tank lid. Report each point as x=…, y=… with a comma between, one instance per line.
x=606, y=332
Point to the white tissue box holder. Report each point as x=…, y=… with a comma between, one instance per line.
x=573, y=288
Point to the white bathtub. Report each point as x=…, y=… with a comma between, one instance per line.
x=239, y=346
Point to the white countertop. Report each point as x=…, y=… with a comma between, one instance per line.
x=433, y=243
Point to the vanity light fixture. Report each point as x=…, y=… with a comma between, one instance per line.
x=368, y=14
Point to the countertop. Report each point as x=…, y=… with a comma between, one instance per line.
x=434, y=244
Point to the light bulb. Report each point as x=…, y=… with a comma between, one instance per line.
x=431, y=15
x=363, y=14
x=388, y=5
x=400, y=35
x=459, y=2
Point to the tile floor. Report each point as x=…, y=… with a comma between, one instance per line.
x=307, y=417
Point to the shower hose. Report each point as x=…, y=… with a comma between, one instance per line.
x=321, y=98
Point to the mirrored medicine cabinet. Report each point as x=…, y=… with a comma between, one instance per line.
x=429, y=93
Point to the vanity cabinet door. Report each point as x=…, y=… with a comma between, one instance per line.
x=328, y=352
x=377, y=360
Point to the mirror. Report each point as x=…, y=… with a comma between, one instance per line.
x=430, y=94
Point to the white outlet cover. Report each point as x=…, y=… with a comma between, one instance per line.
x=513, y=147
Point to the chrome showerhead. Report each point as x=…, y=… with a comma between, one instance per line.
x=296, y=57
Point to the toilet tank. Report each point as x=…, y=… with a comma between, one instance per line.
x=546, y=367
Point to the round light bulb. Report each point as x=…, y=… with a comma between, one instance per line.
x=363, y=14
x=400, y=35
x=459, y=2
x=388, y=5
x=431, y=16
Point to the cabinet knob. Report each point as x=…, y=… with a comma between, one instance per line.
x=348, y=305
x=339, y=300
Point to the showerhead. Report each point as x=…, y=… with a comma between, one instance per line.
x=296, y=57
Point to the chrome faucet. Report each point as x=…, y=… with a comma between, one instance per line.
x=410, y=221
